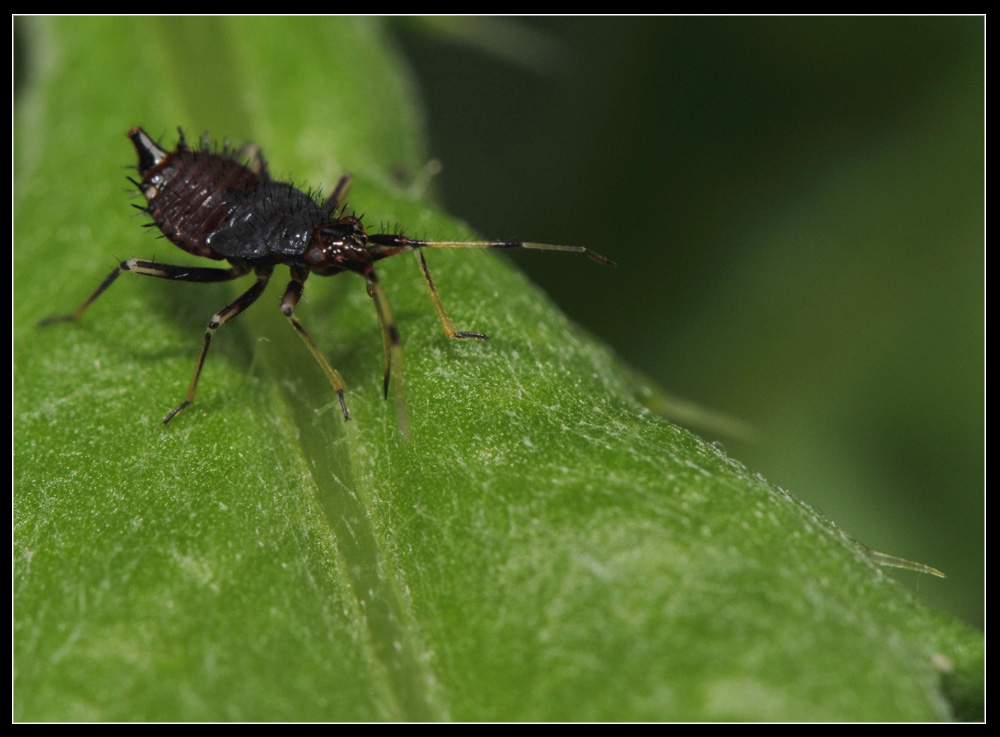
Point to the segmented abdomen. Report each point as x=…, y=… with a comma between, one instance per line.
x=191, y=193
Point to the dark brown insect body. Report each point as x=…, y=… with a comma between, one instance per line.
x=212, y=205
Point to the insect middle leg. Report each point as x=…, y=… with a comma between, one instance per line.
x=288, y=302
x=218, y=319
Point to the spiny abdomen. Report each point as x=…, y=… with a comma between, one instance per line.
x=190, y=193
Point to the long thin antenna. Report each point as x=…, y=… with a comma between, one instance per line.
x=387, y=245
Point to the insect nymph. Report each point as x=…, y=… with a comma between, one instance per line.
x=213, y=205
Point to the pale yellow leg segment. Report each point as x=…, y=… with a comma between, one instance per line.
x=288, y=302
x=392, y=348
x=446, y=323
x=893, y=562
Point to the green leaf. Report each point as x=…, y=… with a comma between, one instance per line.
x=541, y=548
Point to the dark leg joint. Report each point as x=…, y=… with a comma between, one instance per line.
x=176, y=411
x=54, y=320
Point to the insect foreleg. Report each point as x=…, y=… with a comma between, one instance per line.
x=446, y=323
x=288, y=302
x=391, y=346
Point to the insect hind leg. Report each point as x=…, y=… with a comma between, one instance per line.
x=148, y=268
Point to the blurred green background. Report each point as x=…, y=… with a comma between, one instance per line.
x=797, y=209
